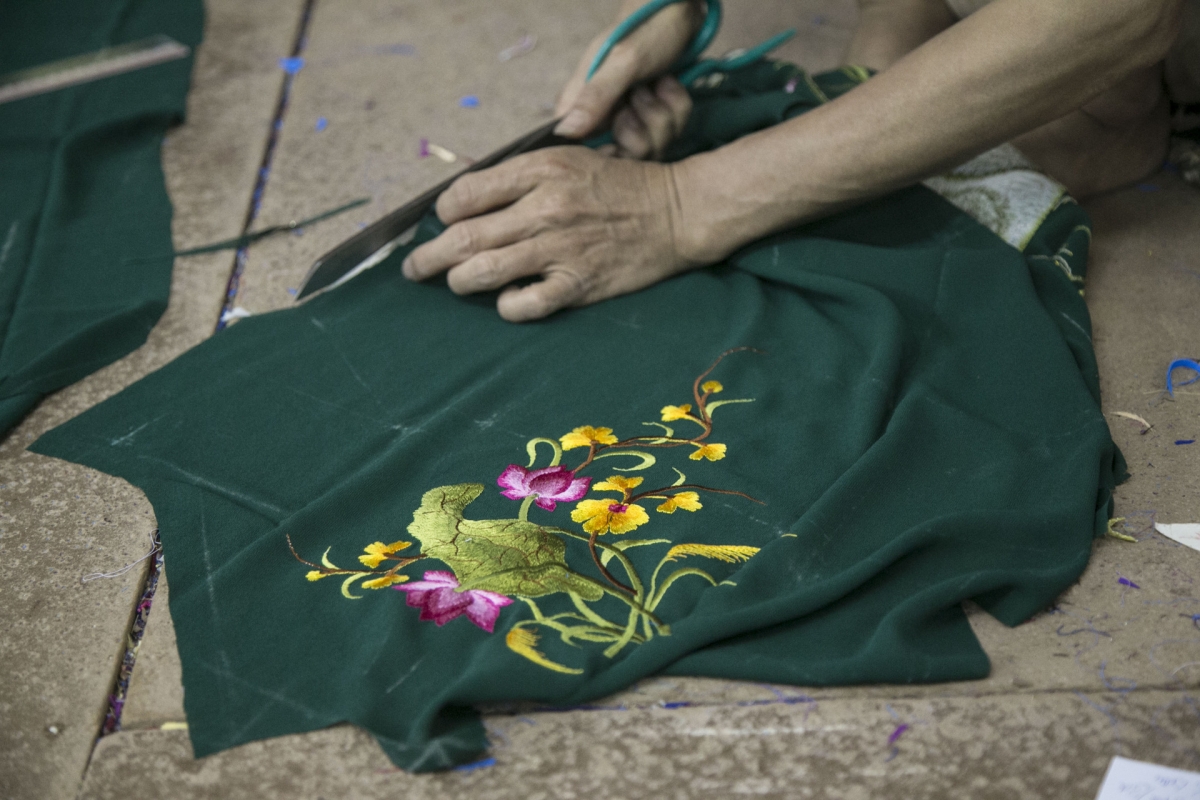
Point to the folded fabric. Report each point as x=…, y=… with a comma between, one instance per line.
x=85, y=222
x=389, y=506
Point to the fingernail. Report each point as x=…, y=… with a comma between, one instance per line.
x=574, y=124
x=407, y=268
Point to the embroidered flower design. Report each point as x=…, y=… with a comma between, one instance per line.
x=672, y=413
x=377, y=552
x=440, y=600
x=606, y=516
x=548, y=486
x=540, y=562
x=713, y=452
x=688, y=501
x=618, y=483
x=586, y=436
x=384, y=581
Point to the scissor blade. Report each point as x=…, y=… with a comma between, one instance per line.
x=374, y=243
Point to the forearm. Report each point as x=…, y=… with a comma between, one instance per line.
x=1007, y=69
x=888, y=30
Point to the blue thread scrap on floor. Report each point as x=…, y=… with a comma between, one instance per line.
x=292, y=65
x=1182, y=363
x=322, y=124
x=469, y=101
x=474, y=765
x=1185, y=441
x=1121, y=579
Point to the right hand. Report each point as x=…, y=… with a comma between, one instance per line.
x=647, y=118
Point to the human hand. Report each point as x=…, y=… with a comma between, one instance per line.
x=647, y=118
x=589, y=225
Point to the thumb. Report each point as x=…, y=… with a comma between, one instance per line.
x=595, y=100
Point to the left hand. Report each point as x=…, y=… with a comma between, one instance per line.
x=591, y=226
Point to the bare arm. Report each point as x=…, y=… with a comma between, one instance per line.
x=1007, y=69
x=593, y=227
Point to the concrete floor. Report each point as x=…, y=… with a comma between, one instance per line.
x=1111, y=670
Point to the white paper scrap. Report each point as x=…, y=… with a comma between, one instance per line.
x=1187, y=533
x=1127, y=779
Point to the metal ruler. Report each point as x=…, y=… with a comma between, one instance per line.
x=102, y=63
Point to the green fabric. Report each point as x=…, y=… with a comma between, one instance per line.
x=85, y=222
x=924, y=429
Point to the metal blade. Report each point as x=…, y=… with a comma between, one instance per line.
x=375, y=243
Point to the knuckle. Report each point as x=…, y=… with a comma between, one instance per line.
x=465, y=239
x=485, y=272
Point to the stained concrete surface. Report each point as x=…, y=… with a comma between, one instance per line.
x=1054, y=745
x=1110, y=670
x=62, y=639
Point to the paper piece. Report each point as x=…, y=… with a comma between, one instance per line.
x=442, y=153
x=102, y=63
x=1136, y=418
x=1187, y=533
x=522, y=47
x=237, y=312
x=1127, y=779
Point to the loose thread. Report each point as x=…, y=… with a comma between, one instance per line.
x=95, y=576
x=250, y=238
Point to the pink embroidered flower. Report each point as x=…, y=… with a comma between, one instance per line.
x=440, y=602
x=548, y=486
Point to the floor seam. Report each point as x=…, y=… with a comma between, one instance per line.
x=299, y=44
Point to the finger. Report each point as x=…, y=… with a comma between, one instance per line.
x=466, y=239
x=487, y=190
x=596, y=98
x=522, y=304
x=492, y=269
x=631, y=135
x=656, y=118
x=673, y=93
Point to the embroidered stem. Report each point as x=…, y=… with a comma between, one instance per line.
x=603, y=569
x=653, y=492
x=523, y=514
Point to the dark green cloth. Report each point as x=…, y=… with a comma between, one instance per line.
x=85, y=222
x=924, y=429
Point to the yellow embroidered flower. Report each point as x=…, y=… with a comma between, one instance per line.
x=606, y=516
x=384, y=580
x=672, y=413
x=713, y=452
x=618, y=483
x=316, y=575
x=586, y=436
x=711, y=387
x=688, y=501
x=378, y=551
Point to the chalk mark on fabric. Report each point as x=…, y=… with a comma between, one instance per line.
x=237, y=498
x=8, y=243
x=405, y=676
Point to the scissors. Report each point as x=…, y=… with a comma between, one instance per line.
x=376, y=242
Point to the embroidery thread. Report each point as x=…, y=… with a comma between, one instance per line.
x=494, y=562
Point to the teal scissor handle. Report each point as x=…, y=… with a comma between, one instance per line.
x=703, y=38
x=688, y=68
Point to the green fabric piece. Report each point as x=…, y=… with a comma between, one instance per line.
x=85, y=222
x=923, y=429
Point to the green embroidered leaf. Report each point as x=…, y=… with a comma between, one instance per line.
x=718, y=403
x=625, y=544
x=506, y=556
